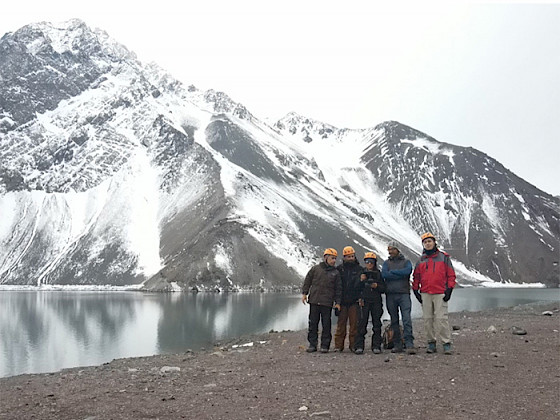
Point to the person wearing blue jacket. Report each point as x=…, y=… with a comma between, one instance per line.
x=396, y=273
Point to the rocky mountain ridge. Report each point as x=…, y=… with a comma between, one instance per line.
x=114, y=172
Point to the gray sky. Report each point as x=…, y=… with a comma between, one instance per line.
x=469, y=73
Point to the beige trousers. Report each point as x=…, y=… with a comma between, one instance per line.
x=436, y=321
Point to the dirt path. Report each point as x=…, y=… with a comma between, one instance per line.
x=492, y=375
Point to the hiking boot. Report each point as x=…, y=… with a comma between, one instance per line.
x=376, y=351
x=359, y=351
x=447, y=348
x=311, y=349
x=397, y=350
x=337, y=350
x=410, y=350
x=324, y=350
x=431, y=348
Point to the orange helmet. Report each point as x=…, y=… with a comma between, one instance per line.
x=427, y=235
x=348, y=250
x=370, y=255
x=330, y=251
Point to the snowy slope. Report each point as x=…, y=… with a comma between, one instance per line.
x=112, y=172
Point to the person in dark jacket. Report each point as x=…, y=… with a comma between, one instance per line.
x=322, y=288
x=350, y=272
x=396, y=273
x=434, y=280
x=370, y=302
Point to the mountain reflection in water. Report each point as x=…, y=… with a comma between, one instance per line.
x=45, y=331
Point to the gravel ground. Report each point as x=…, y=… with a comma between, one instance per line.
x=492, y=375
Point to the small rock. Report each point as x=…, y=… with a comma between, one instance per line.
x=167, y=369
x=303, y=408
x=321, y=414
x=210, y=385
x=387, y=359
x=494, y=354
x=518, y=331
x=547, y=313
x=456, y=328
x=132, y=370
x=492, y=329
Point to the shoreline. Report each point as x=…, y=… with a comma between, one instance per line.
x=491, y=375
x=234, y=289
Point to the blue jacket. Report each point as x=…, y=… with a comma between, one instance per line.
x=396, y=272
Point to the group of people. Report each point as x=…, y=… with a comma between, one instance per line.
x=355, y=292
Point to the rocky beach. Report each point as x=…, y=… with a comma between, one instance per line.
x=506, y=365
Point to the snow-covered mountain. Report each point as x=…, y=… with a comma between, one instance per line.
x=113, y=172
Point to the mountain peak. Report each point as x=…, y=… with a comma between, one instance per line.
x=73, y=37
x=396, y=131
x=308, y=128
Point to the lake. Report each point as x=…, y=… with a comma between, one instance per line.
x=45, y=331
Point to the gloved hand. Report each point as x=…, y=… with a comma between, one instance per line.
x=418, y=296
x=447, y=294
x=337, y=309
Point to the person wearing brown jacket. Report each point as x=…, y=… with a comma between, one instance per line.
x=321, y=288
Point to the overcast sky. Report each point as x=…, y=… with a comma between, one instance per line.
x=475, y=74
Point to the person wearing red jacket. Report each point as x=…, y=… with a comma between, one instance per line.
x=433, y=283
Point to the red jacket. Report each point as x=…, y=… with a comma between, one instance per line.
x=434, y=273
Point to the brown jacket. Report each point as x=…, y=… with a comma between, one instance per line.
x=322, y=285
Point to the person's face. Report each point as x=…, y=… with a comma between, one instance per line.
x=370, y=265
x=393, y=252
x=330, y=260
x=350, y=257
x=429, y=244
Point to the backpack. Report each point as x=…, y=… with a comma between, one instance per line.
x=387, y=337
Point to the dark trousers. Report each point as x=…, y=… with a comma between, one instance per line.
x=375, y=310
x=323, y=313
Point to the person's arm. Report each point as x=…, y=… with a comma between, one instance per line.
x=379, y=284
x=450, y=273
x=387, y=275
x=306, y=286
x=361, y=285
x=403, y=272
x=337, y=291
x=416, y=277
x=416, y=283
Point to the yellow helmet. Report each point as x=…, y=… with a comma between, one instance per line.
x=348, y=250
x=370, y=255
x=330, y=251
x=426, y=236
